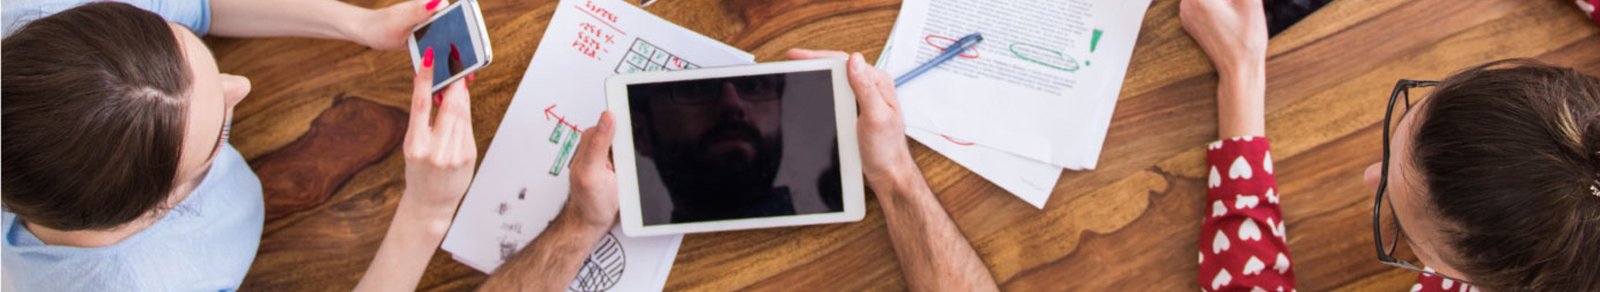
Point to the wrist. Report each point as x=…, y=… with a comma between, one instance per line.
x=904, y=179
x=424, y=217
x=351, y=25
x=569, y=219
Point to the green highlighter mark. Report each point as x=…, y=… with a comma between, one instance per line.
x=566, y=152
x=1094, y=42
x=1043, y=56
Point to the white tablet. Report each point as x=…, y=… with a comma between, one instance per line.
x=736, y=147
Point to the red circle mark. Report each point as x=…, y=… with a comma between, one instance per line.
x=957, y=142
x=929, y=39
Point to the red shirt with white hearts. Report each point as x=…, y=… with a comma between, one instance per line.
x=1242, y=239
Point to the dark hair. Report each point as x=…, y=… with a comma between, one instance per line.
x=94, y=113
x=1508, y=150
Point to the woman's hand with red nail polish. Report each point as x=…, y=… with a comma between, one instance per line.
x=388, y=28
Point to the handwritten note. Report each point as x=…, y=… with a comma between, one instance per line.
x=523, y=181
x=1034, y=98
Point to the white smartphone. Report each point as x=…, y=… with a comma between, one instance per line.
x=459, y=41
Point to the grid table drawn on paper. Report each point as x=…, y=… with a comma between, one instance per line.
x=523, y=180
x=645, y=57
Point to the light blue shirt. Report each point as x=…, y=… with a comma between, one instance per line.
x=206, y=243
x=195, y=14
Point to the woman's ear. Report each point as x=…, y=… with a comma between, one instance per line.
x=1371, y=176
x=234, y=88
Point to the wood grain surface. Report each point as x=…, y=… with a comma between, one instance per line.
x=319, y=129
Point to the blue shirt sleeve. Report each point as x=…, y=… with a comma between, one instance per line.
x=195, y=14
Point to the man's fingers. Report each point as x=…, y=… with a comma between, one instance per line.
x=802, y=54
x=585, y=142
x=422, y=93
x=867, y=93
x=886, y=89
x=602, y=134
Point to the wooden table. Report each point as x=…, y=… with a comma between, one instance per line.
x=322, y=127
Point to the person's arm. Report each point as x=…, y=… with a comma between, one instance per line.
x=439, y=161
x=552, y=260
x=933, y=253
x=384, y=29
x=1241, y=244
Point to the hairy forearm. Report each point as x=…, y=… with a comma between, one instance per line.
x=412, y=238
x=550, y=262
x=325, y=19
x=1241, y=99
x=933, y=253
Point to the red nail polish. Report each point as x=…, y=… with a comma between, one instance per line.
x=454, y=54
x=438, y=99
x=470, y=76
x=432, y=4
x=427, y=58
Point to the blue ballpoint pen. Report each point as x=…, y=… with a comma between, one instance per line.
x=950, y=52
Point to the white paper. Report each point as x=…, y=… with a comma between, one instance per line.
x=523, y=181
x=1020, y=144
x=1033, y=88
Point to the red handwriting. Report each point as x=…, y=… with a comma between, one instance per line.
x=600, y=12
x=549, y=113
x=952, y=140
x=947, y=41
x=588, y=41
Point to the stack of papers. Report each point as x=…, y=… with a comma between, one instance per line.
x=1034, y=98
x=523, y=182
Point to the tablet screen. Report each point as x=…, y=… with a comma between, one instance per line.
x=736, y=147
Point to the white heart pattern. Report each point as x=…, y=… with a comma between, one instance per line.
x=1214, y=145
x=1249, y=231
x=1219, y=243
x=1447, y=284
x=1241, y=202
x=1202, y=257
x=1218, y=209
x=1272, y=197
x=1283, y=264
x=1216, y=178
x=1253, y=267
x=1223, y=278
x=1277, y=228
x=1257, y=289
x=1416, y=287
x=1266, y=162
x=1240, y=169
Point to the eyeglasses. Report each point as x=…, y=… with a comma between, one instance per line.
x=749, y=88
x=1386, y=231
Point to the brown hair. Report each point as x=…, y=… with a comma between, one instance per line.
x=1508, y=150
x=94, y=105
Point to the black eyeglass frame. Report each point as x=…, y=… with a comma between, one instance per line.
x=1386, y=255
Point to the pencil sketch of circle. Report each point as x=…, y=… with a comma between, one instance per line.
x=603, y=269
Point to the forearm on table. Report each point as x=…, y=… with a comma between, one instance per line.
x=1241, y=99
x=325, y=19
x=933, y=253
x=412, y=238
x=551, y=261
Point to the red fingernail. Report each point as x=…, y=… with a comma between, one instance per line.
x=470, y=76
x=438, y=99
x=432, y=4
x=454, y=54
x=427, y=58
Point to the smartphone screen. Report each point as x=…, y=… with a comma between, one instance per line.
x=450, y=36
